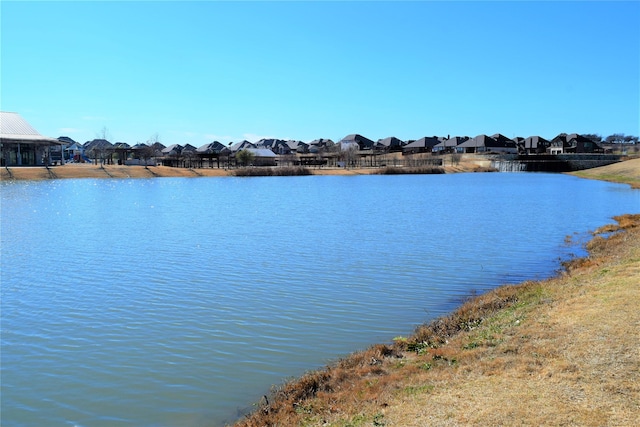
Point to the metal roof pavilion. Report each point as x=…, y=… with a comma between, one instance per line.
x=13, y=128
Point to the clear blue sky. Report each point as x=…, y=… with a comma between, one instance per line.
x=194, y=72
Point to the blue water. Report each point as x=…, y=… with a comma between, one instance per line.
x=179, y=302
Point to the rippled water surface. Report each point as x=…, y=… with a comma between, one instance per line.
x=178, y=302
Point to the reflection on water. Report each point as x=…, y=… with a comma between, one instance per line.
x=180, y=301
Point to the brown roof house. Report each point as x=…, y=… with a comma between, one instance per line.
x=22, y=145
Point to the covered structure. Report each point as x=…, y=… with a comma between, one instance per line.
x=22, y=145
x=213, y=150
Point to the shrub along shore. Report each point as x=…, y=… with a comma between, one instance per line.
x=561, y=351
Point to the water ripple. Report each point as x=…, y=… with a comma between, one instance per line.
x=180, y=301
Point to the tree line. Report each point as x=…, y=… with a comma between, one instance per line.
x=616, y=138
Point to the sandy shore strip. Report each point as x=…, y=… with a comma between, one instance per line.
x=625, y=172
x=87, y=170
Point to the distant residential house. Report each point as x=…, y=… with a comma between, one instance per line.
x=320, y=144
x=484, y=144
x=99, y=150
x=390, y=144
x=74, y=152
x=70, y=149
x=214, y=147
x=450, y=145
x=278, y=146
x=296, y=147
x=22, y=145
x=141, y=154
x=356, y=141
x=535, y=145
x=157, y=148
x=241, y=146
x=213, y=150
x=575, y=143
x=172, y=155
x=422, y=145
x=188, y=156
x=518, y=140
x=172, y=150
x=122, y=151
x=504, y=144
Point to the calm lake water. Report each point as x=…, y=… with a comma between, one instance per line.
x=179, y=302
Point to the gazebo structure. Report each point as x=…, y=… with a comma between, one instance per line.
x=21, y=144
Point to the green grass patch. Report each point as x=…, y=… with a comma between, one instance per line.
x=416, y=390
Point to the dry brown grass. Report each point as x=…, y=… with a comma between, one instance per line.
x=563, y=351
x=627, y=172
x=107, y=171
x=272, y=171
x=428, y=170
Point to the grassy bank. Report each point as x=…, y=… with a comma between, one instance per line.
x=627, y=172
x=562, y=351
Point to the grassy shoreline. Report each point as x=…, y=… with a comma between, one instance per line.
x=552, y=352
x=627, y=172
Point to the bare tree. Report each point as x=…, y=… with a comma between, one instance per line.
x=455, y=159
x=349, y=156
x=616, y=138
x=103, y=134
x=594, y=137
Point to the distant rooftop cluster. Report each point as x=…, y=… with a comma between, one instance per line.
x=23, y=145
x=482, y=143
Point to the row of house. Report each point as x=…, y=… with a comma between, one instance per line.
x=23, y=145
x=498, y=143
x=268, y=149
